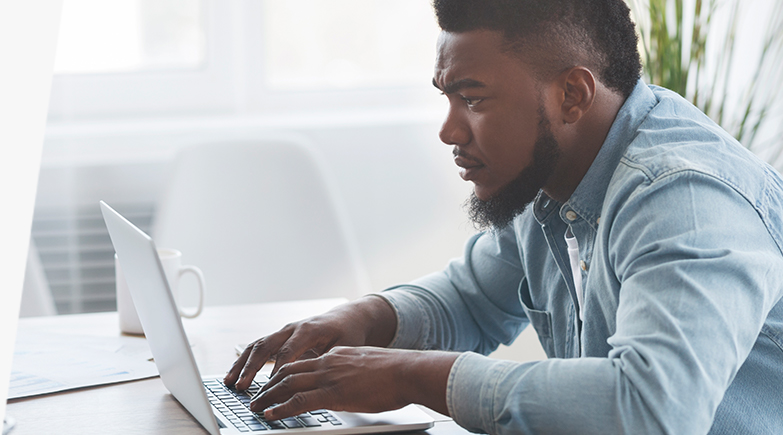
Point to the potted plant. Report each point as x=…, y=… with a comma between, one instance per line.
x=707, y=51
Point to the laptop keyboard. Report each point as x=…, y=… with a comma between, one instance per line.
x=235, y=406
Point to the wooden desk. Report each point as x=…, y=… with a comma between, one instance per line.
x=146, y=406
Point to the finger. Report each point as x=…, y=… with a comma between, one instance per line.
x=291, y=390
x=262, y=349
x=289, y=380
x=291, y=369
x=301, y=343
x=298, y=403
x=233, y=374
x=310, y=354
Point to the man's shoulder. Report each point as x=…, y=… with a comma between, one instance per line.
x=676, y=144
x=677, y=137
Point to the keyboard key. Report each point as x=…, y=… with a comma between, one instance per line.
x=256, y=426
x=309, y=421
x=332, y=419
x=291, y=423
x=275, y=424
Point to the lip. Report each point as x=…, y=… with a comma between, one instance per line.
x=469, y=167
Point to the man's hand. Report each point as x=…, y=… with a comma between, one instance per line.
x=368, y=321
x=358, y=379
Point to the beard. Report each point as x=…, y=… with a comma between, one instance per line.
x=512, y=199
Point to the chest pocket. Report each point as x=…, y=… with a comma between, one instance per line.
x=540, y=320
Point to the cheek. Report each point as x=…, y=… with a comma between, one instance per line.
x=511, y=134
x=509, y=151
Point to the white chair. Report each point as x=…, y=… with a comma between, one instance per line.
x=262, y=221
x=36, y=296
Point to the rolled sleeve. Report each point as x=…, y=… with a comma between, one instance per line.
x=473, y=377
x=470, y=306
x=411, y=327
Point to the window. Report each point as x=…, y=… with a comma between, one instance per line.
x=347, y=43
x=147, y=58
x=97, y=36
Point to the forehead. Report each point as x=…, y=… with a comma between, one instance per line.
x=479, y=55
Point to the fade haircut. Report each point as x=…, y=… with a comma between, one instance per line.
x=556, y=34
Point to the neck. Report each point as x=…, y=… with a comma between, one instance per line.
x=580, y=143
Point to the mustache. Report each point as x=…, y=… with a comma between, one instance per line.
x=457, y=152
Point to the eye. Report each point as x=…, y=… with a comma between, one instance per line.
x=471, y=102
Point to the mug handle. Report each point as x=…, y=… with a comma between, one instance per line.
x=200, y=276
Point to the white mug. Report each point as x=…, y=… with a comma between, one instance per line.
x=171, y=260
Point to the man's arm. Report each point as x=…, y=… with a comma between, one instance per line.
x=337, y=377
x=351, y=378
x=473, y=305
x=359, y=379
x=698, y=274
x=368, y=321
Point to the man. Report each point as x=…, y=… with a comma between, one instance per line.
x=639, y=239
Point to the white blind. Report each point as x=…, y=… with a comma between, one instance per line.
x=77, y=255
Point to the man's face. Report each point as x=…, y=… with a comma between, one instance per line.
x=496, y=122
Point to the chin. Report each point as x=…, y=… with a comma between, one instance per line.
x=483, y=193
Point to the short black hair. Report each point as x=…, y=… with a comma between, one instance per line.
x=560, y=34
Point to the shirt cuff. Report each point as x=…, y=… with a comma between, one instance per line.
x=472, y=388
x=413, y=323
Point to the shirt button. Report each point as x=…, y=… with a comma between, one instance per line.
x=571, y=215
x=583, y=265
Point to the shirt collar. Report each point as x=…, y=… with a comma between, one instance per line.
x=588, y=198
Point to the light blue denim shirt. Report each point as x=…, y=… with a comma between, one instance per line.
x=681, y=234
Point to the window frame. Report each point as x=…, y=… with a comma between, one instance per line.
x=229, y=83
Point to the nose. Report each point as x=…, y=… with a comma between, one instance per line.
x=455, y=129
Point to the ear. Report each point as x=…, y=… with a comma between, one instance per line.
x=578, y=85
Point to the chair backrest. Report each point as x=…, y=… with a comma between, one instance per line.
x=262, y=221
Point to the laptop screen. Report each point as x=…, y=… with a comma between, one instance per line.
x=159, y=316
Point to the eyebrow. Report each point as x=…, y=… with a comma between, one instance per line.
x=453, y=87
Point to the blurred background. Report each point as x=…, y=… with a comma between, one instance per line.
x=136, y=81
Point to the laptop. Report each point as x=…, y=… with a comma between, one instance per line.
x=218, y=409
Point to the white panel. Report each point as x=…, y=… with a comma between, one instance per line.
x=28, y=31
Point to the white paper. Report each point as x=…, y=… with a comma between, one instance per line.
x=47, y=363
